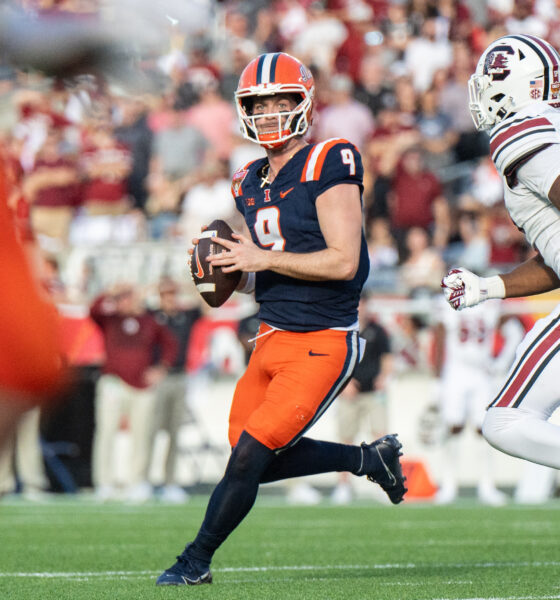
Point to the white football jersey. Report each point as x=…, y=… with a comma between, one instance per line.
x=469, y=334
x=533, y=132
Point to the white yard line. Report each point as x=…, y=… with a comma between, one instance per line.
x=269, y=569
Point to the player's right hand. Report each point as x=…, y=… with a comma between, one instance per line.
x=462, y=289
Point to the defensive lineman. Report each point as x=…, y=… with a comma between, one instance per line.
x=515, y=93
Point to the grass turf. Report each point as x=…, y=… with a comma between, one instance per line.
x=75, y=549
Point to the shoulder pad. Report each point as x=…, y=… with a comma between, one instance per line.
x=316, y=158
x=520, y=137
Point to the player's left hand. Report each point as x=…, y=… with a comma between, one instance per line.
x=241, y=255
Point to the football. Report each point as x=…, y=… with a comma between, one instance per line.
x=212, y=283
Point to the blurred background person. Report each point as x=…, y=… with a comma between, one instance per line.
x=171, y=408
x=344, y=117
x=126, y=388
x=422, y=269
x=464, y=343
x=53, y=190
x=21, y=459
x=362, y=405
x=31, y=369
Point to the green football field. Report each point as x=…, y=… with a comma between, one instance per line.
x=75, y=549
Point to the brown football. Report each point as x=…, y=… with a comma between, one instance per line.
x=212, y=283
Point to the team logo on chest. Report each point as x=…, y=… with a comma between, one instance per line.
x=130, y=326
x=267, y=195
x=236, y=182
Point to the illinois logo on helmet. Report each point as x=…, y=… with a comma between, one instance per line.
x=514, y=71
x=271, y=74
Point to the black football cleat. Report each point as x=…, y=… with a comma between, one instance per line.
x=385, y=466
x=186, y=571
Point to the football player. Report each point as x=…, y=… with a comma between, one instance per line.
x=464, y=346
x=515, y=94
x=304, y=252
x=31, y=371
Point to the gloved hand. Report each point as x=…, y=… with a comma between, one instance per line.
x=463, y=289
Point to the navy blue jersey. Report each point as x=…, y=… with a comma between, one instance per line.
x=283, y=216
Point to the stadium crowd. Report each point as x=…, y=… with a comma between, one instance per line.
x=100, y=165
x=97, y=163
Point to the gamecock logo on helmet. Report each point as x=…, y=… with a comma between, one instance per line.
x=497, y=62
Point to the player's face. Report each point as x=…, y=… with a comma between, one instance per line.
x=270, y=107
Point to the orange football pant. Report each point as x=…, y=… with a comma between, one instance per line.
x=291, y=379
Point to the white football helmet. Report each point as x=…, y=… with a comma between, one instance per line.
x=514, y=71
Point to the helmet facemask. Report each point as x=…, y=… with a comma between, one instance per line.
x=289, y=123
x=497, y=106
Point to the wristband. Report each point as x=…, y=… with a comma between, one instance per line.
x=249, y=284
x=493, y=287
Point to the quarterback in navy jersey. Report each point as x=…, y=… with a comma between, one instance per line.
x=515, y=95
x=303, y=251
x=283, y=216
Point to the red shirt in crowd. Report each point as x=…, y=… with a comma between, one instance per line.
x=107, y=168
x=412, y=197
x=63, y=194
x=130, y=341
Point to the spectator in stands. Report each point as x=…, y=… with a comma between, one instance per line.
x=436, y=129
x=53, y=189
x=392, y=136
x=208, y=199
x=318, y=42
x=383, y=256
x=171, y=392
x=234, y=32
x=179, y=151
x=423, y=268
x=524, y=20
x=133, y=131
x=426, y=54
x=213, y=116
x=106, y=164
x=473, y=247
x=453, y=102
x=127, y=386
x=374, y=90
x=417, y=200
x=358, y=18
x=344, y=117
x=265, y=34
x=179, y=148
x=397, y=29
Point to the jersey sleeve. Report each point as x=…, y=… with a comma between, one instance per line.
x=333, y=162
x=541, y=171
x=511, y=143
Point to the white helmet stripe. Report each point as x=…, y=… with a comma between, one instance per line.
x=266, y=68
